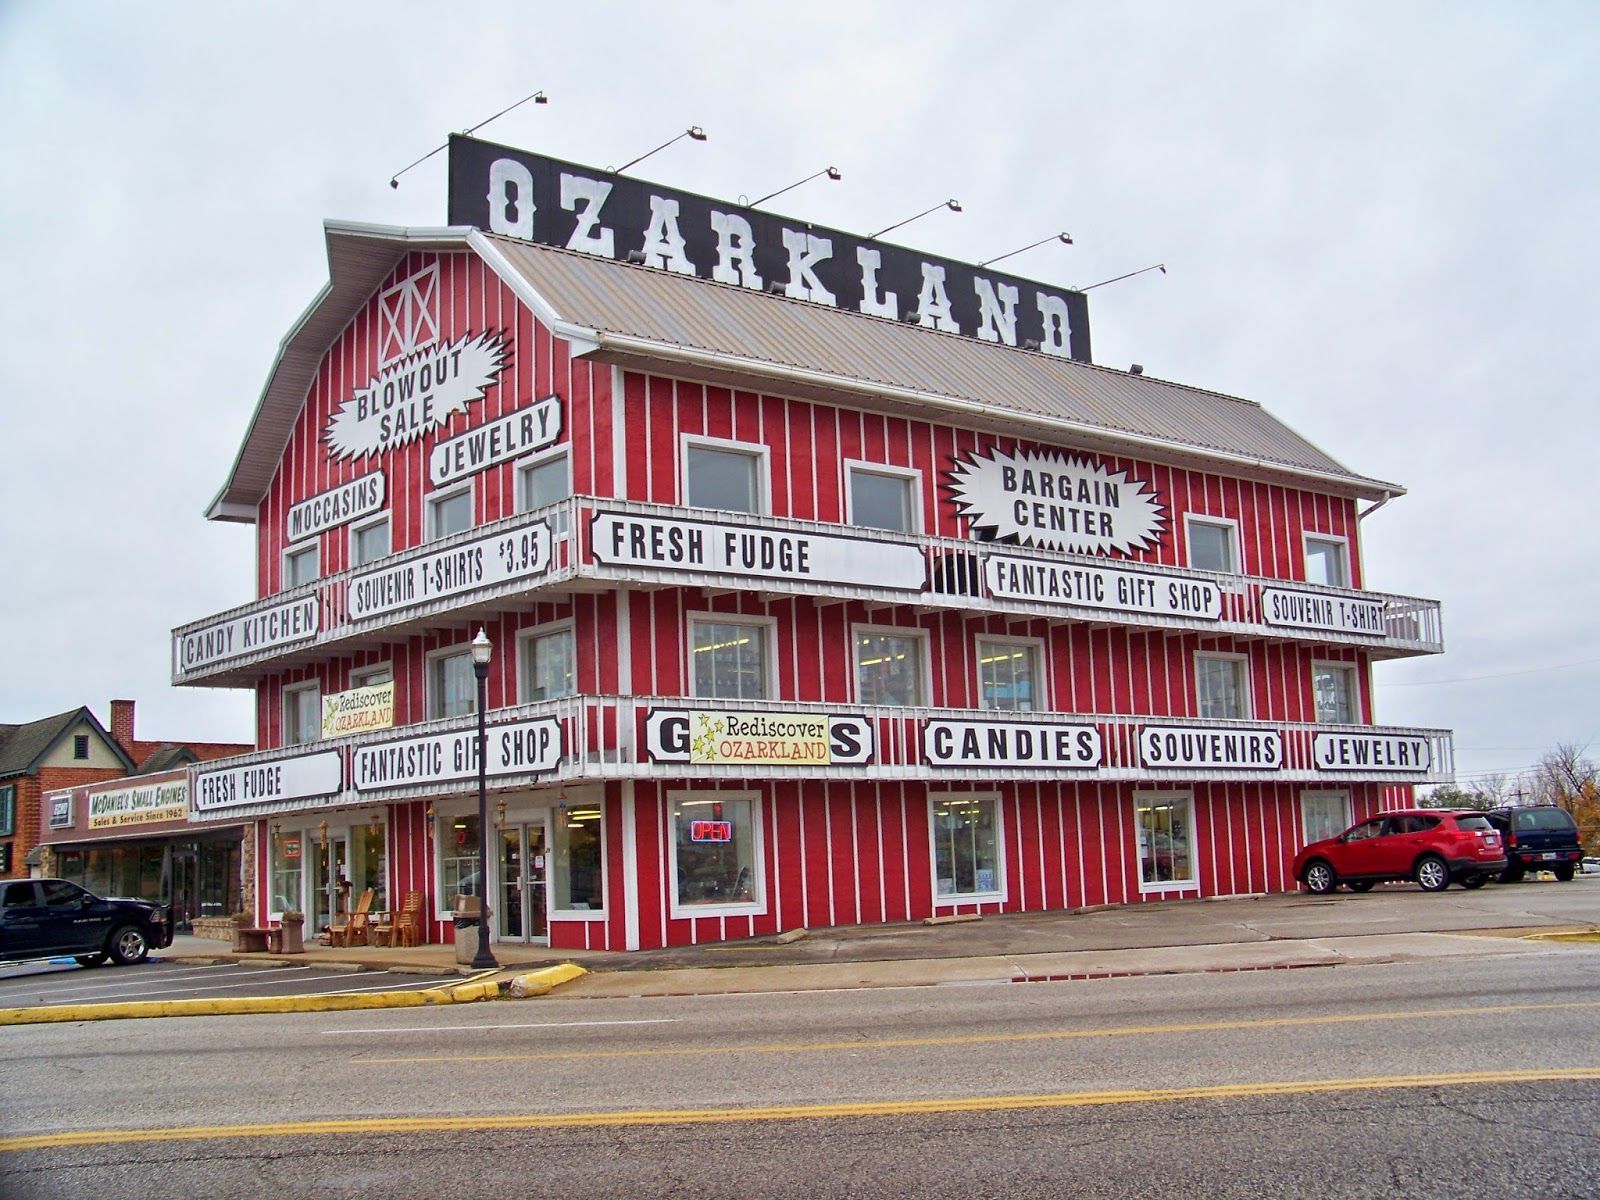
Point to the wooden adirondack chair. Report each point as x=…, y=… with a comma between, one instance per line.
x=403, y=927
x=353, y=931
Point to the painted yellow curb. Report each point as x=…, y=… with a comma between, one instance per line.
x=488, y=989
x=540, y=982
x=1582, y=935
x=238, y=1006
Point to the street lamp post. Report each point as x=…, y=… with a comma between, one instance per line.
x=482, y=652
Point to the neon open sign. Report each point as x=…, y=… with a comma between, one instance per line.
x=711, y=831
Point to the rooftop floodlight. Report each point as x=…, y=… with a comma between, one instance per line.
x=536, y=97
x=694, y=132
x=952, y=205
x=1064, y=238
x=830, y=172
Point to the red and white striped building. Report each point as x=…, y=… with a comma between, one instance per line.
x=800, y=616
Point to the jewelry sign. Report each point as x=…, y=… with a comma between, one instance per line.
x=1056, y=502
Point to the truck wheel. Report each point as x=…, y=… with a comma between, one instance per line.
x=128, y=946
x=1474, y=881
x=1564, y=873
x=1432, y=873
x=1511, y=875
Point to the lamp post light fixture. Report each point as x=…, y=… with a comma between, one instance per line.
x=482, y=652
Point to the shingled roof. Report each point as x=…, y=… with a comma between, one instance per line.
x=22, y=746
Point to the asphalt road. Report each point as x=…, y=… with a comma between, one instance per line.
x=24, y=985
x=1234, y=1085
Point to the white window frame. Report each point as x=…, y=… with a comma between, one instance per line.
x=525, y=639
x=359, y=675
x=1041, y=699
x=310, y=545
x=1235, y=549
x=1353, y=689
x=523, y=466
x=1339, y=794
x=757, y=904
x=898, y=631
x=769, y=636
x=995, y=896
x=357, y=527
x=429, y=687
x=853, y=465
x=438, y=498
x=1332, y=539
x=1192, y=884
x=760, y=451
x=291, y=691
x=444, y=813
x=1245, y=684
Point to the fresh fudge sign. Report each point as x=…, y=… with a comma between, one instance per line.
x=1371, y=752
x=415, y=395
x=556, y=203
x=1056, y=502
x=301, y=777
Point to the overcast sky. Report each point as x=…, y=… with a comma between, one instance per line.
x=1378, y=220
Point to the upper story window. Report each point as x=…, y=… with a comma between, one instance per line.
x=1333, y=686
x=450, y=512
x=722, y=474
x=371, y=676
x=890, y=667
x=302, y=714
x=1327, y=560
x=301, y=565
x=1221, y=686
x=544, y=480
x=1213, y=544
x=452, y=686
x=8, y=810
x=546, y=669
x=883, y=497
x=1009, y=675
x=80, y=746
x=730, y=659
x=369, y=541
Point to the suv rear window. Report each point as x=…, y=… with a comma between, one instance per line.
x=1541, y=818
x=1473, y=821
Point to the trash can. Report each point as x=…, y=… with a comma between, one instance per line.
x=466, y=919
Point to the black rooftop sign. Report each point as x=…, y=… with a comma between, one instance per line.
x=556, y=203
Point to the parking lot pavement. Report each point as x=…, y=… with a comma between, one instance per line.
x=62, y=981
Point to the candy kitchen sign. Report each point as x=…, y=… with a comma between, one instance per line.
x=1056, y=502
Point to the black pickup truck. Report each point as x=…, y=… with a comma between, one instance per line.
x=43, y=918
x=1537, y=837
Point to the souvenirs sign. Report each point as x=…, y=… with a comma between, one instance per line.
x=1056, y=502
x=514, y=748
x=522, y=553
x=302, y=777
x=729, y=737
x=1295, y=609
x=1113, y=589
x=1196, y=746
x=281, y=625
x=713, y=548
x=168, y=801
x=416, y=394
x=541, y=199
x=1032, y=744
x=522, y=432
x=358, y=710
x=336, y=506
x=1371, y=752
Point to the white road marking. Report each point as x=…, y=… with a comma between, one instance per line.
x=496, y=1028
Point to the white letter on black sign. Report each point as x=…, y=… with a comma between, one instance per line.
x=662, y=240
x=992, y=312
x=592, y=193
x=806, y=250
x=889, y=305
x=1057, y=330
x=735, y=244
x=932, y=302
x=510, y=199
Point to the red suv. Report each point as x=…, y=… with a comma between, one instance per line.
x=1431, y=845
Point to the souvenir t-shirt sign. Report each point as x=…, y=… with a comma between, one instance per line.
x=1056, y=502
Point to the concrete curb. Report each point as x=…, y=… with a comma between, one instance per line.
x=544, y=980
x=246, y=1005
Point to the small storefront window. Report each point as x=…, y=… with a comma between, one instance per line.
x=288, y=870
x=714, y=850
x=577, y=879
x=368, y=868
x=458, y=858
x=966, y=846
x=1165, y=827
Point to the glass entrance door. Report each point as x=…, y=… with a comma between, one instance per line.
x=185, y=887
x=328, y=898
x=522, y=884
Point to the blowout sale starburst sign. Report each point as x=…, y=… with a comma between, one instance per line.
x=415, y=395
x=1056, y=502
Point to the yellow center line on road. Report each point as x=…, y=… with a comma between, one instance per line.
x=980, y=1039
x=373, y=1126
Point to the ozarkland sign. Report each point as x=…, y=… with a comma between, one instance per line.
x=1371, y=752
x=730, y=737
x=301, y=777
x=220, y=641
x=712, y=548
x=556, y=203
x=514, y=748
x=1033, y=744
x=1112, y=589
x=1056, y=502
x=522, y=553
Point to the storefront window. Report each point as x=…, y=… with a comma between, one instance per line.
x=368, y=868
x=714, y=850
x=1165, y=826
x=458, y=858
x=288, y=870
x=577, y=880
x=1323, y=815
x=966, y=846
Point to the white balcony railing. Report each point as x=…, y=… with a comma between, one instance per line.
x=648, y=737
x=480, y=569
